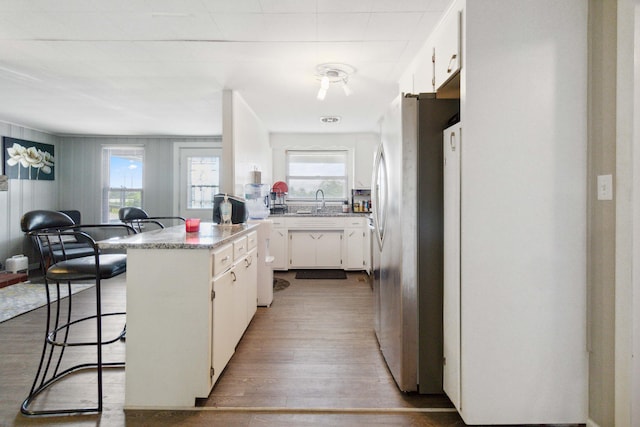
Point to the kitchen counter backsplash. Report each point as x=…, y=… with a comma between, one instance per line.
x=310, y=210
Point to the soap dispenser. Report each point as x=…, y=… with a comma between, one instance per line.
x=225, y=211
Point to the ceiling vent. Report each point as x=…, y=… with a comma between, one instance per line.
x=330, y=119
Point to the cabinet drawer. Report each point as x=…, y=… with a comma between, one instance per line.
x=239, y=247
x=355, y=222
x=252, y=240
x=315, y=223
x=222, y=259
x=278, y=222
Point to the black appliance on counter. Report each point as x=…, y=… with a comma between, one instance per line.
x=239, y=211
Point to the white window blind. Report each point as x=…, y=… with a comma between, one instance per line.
x=309, y=171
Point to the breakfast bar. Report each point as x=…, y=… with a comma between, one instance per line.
x=190, y=297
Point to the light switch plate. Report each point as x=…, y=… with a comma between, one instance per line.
x=605, y=187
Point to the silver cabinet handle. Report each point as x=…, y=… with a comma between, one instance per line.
x=453, y=58
x=452, y=141
x=225, y=259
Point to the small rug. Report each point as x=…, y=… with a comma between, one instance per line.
x=24, y=297
x=280, y=284
x=321, y=274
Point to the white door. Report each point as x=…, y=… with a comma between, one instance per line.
x=451, y=303
x=199, y=172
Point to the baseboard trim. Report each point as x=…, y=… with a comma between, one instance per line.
x=591, y=423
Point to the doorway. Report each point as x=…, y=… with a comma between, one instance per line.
x=198, y=179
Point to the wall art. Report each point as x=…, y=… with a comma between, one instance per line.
x=28, y=160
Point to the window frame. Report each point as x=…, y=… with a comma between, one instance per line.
x=347, y=176
x=106, y=153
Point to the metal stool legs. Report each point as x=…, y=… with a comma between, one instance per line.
x=57, y=340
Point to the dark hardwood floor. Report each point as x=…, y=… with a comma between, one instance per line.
x=309, y=359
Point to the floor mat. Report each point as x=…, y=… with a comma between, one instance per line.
x=23, y=297
x=280, y=284
x=321, y=274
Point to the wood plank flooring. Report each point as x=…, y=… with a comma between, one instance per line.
x=309, y=359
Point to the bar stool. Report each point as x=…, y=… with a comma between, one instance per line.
x=137, y=217
x=50, y=232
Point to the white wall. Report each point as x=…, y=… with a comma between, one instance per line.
x=80, y=177
x=24, y=195
x=361, y=146
x=251, y=150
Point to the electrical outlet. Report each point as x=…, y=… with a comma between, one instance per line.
x=605, y=187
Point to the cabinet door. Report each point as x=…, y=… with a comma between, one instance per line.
x=447, y=47
x=239, y=301
x=223, y=316
x=329, y=249
x=451, y=303
x=302, y=249
x=278, y=245
x=251, y=273
x=355, y=248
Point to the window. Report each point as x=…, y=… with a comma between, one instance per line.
x=122, y=172
x=203, y=175
x=309, y=171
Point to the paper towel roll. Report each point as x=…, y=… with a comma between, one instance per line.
x=256, y=177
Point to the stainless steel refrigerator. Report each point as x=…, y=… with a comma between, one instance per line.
x=408, y=230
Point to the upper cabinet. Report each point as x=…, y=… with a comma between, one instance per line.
x=437, y=66
x=447, y=52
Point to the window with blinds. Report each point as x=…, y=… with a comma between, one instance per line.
x=309, y=171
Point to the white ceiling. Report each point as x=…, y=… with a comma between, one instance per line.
x=157, y=67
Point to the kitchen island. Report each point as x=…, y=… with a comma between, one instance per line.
x=190, y=297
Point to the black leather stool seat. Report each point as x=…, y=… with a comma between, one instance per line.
x=84, y=268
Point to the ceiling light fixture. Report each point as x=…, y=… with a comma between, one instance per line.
x=333, y=73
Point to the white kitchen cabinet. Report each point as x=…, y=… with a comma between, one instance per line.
x=451, y=297
x=193, y=303
x=250, y=266
x=356, y=243
x=223, y=341
x=329, y=249
x=279, y=244
x=315, y=249
x=447, y=52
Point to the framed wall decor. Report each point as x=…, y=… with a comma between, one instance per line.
x=28, y=160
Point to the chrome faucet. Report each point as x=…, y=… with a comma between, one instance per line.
x=317, y=208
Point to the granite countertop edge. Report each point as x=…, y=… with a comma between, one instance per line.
x=177, y=238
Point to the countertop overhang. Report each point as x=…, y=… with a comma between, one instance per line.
x=210, y=236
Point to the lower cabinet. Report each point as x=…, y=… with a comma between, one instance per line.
x=234, y=300
x=320, y=242
x=250, y=269
x=222, y=344
x=278, y=246
x=315, y=249
x=356, y=237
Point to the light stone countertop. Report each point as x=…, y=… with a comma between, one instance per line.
x=321, y=214
x=210, y=236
